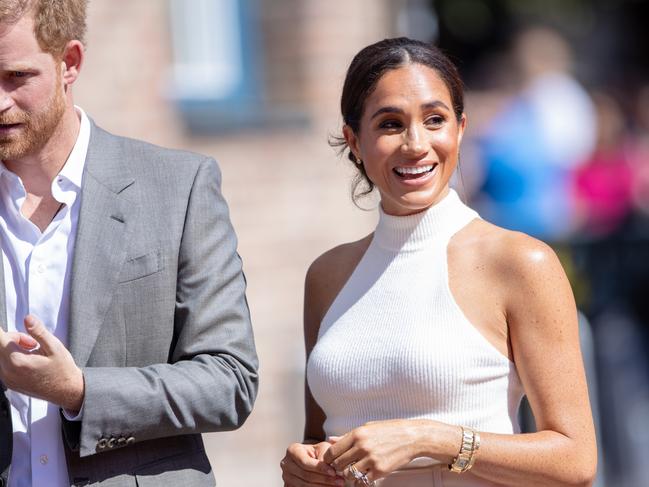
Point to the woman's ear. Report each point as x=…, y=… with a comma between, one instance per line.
x=461, y=126
x=352, y=141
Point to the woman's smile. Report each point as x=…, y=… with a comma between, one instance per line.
x=414, y=175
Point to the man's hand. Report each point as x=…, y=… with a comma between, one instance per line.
x=40, y=366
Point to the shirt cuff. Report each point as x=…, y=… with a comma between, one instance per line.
x=71, y=417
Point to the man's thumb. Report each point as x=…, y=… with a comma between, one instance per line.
x=37, y=330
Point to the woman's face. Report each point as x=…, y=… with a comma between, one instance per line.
x=408, y=139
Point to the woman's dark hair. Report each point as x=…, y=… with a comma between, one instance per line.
x=365, y=71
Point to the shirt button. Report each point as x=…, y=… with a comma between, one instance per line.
x=40, y=268
x=43, y=459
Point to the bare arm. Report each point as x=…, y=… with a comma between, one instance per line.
x=542, y=319
x=303, y=464
x=313, y=314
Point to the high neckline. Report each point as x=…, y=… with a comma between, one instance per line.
x=434, y=224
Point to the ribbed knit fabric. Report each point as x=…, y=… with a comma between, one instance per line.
x=395, y=344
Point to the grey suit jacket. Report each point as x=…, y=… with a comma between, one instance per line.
x=158, y=319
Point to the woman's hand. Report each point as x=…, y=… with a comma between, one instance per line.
x=303, y=466
x=378, y=448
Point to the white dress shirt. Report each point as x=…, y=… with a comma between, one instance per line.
x=37, y=281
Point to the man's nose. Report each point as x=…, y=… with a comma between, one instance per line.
x=5, y=101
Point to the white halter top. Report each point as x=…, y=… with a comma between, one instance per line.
x=395, y=344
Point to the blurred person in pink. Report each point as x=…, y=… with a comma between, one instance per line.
x=604, y=181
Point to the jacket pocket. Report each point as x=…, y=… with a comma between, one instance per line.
x=142, y=266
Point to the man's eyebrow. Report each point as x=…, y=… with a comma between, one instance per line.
x=425, y=106
x=16, y=67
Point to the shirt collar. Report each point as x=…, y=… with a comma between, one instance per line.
x=73, y=168
x=4, y=172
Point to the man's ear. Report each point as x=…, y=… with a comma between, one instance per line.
x=352, y=141
x=71, y=61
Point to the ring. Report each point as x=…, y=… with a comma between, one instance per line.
x=360, y=476
x=366, y=481
x=354, y=471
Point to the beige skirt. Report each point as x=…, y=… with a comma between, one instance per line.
x=428, y=473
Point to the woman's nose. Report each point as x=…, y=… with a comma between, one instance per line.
x=414, y=141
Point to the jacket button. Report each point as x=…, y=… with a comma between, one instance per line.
x=111, y=443
x=101, y=444
x=130, y=440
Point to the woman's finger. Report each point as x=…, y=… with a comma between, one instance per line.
x=306, y=459
x=341, y=445
x=306, y=479
x=308, y=474
x=346, y=459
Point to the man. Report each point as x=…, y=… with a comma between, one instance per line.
x=124, y=327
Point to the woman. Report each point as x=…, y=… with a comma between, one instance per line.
x=422, y=337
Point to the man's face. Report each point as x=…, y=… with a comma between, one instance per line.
x=32, y=99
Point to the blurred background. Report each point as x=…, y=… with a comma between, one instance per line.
x=557, y=146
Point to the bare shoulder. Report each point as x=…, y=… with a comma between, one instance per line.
x=513, y=268
x=509, y=253
x=531, y=281
x=335, y=263
x=326, y=277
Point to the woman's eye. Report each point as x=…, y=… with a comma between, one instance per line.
x=19, y=74
x=390, y=124
x=435, y=120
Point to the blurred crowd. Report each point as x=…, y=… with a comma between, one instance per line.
x=555, y=159
x=569, y=164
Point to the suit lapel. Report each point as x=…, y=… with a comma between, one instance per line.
x=100, y=248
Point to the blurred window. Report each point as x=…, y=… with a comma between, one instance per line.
x=213, y=78
x=207, y=53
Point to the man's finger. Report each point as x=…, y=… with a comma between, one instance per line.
x=3, y=338
x=37, y=330
x=23, y=340
x=26, y=342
